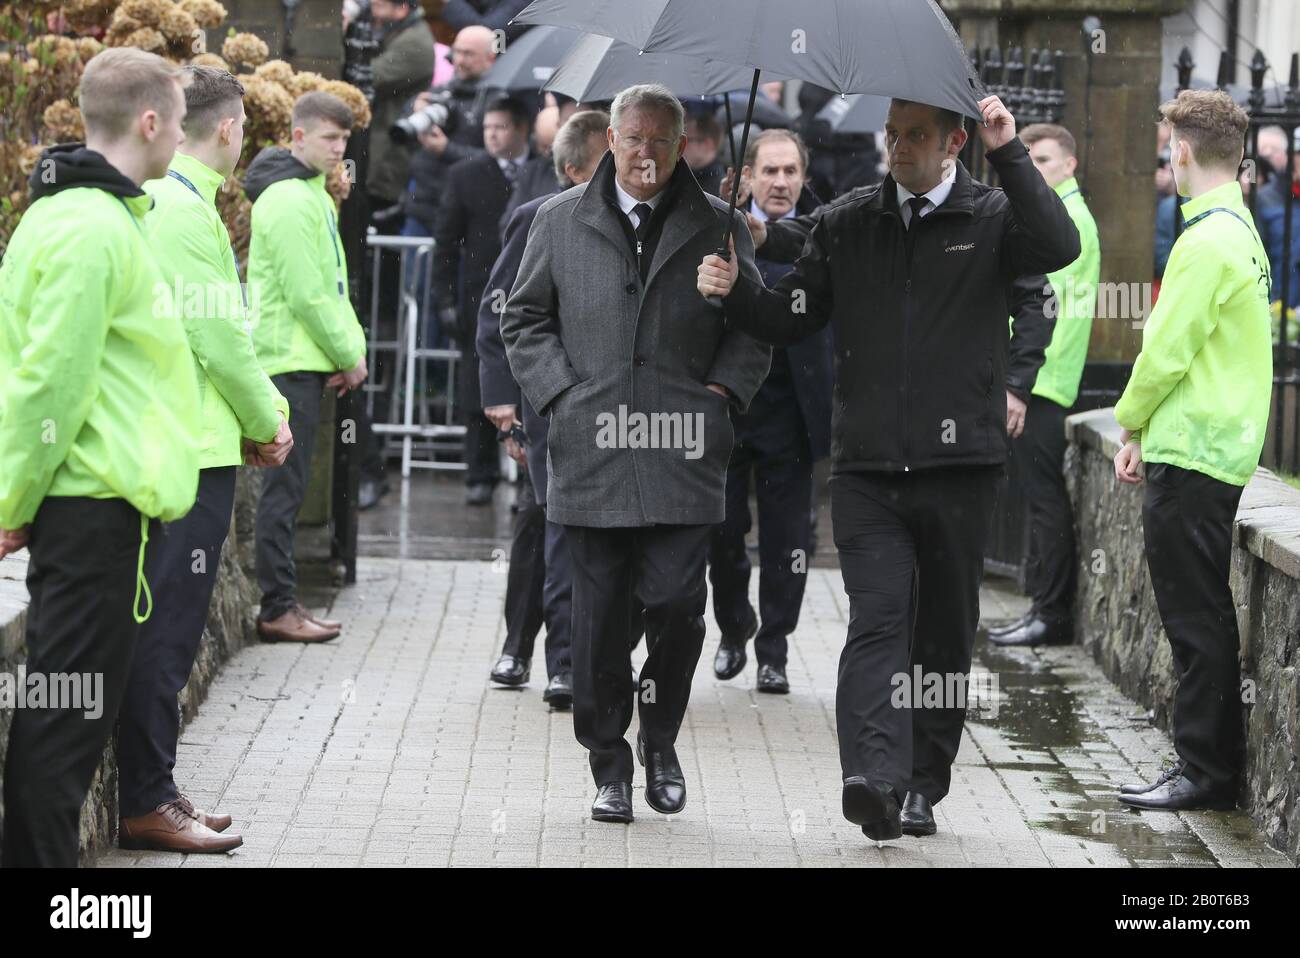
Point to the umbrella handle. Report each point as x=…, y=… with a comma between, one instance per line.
x=723, y=253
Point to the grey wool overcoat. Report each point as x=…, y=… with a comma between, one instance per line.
x=620, y=367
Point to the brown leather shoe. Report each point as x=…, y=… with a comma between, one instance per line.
x=292, y=627
x=307, y=614
x=218, y=823
x=170, y=828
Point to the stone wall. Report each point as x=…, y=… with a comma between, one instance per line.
x=1117, y=621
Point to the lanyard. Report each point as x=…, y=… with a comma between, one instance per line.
x=1068, y=195
x=334, y=237
x=1217, y=209
x=1268, y=272
x=134, y=222
x=184, y=180
x=195, y=190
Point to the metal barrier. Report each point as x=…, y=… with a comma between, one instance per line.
x=410, y=428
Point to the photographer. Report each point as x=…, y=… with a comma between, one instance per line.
x=447, y=122
x=402, y=68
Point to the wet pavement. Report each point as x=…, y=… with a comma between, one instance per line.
x=389, y=746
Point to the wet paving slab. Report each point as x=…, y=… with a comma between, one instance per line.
x=1063, y=739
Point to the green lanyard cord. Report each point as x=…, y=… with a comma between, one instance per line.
x=141, y=584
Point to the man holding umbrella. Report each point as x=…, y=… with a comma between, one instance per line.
x=914, y=277
x=637, y=375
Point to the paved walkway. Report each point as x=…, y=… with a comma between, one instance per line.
x=388, y=747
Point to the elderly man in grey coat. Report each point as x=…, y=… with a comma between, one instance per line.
x=608, y=338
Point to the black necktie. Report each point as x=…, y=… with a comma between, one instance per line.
x=917, y=203
x=643, y=213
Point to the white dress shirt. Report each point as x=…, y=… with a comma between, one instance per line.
x=936, y=197
x=518, y=164
x=626, y=201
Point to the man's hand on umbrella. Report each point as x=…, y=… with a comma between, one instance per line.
x=718, y=275
x=999, y=126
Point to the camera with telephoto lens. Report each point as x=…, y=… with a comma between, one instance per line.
x=440, y=113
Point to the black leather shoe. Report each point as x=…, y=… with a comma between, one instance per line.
x=873, y=805
x=511, y=670
x=731, y=658
x=1177, y=794
x=665, y=785
x=1012, y=625
x=917, y=816
x=613, y=803
x=370, y=492
x=478, y=494
x=771, y=679
x=1036, y=632
x=559, y=692
x=1166, y=775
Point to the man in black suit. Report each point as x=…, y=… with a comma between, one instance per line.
x=914, y=277
x=468, y=243
x=538, y=176
x=578, y=149
x=786, y=429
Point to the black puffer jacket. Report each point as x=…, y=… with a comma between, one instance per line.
x=920, y=342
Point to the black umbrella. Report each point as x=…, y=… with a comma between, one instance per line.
x=855, y=113
x=529, y=61
x=896, y=48
x=599, y=67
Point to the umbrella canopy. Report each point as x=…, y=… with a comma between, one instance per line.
x=529, y=61
x=599, y=67
x=893, y=48
x=856, y=113
x=766, y=113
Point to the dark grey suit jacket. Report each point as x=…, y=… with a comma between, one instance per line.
x=621, y=367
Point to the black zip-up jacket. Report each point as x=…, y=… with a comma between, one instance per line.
x=1032, y=320
x=920, y=342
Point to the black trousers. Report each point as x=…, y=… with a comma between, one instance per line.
x=283, y=489
x=482, y=461
x=551, y=575
x=1187, y=522
x=82, y=581
x=181, y=567
x=1040, y=455
x=783, y=476
x=615, y=571
x=911, y=551
x=539, y=588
